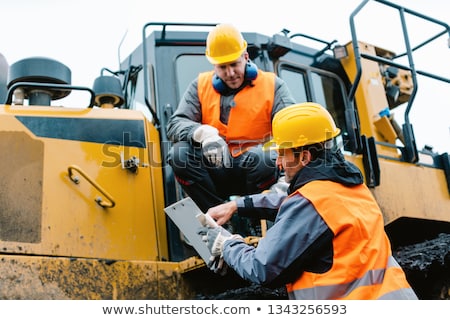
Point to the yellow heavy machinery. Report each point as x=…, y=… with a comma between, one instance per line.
x=83, y=190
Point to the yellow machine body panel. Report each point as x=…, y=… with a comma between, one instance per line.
x=412, y=191
x=66, y=190
x=55, y=278
x=402, y=193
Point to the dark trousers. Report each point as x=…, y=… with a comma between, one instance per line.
x=251, y=172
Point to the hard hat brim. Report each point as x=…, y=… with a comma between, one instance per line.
x=273, y=145
x=227, y=58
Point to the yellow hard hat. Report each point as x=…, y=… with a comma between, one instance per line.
x=300, y=125
x=224, y=44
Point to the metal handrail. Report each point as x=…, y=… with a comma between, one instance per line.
x=99, y=200
x=411, y=154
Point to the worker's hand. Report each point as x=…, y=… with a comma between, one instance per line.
x=217, y=265
x=214, y=148
x=222, y=213
x=214, y=238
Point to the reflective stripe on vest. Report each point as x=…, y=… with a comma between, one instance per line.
x=250, y=119
x=363, y=267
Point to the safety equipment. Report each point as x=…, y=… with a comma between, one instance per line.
x=378, y=275
x=224, y=44
x=239, y=134
x=217, y=265
x=251, y=72
x=214, y=148
x=300, y=125
x=215, y=238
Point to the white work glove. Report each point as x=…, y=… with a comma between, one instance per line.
x=217, y=265
x=214, y=148
x=215, y=238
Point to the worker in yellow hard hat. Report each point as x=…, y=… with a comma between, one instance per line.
x=328, y=239
x=222, y=122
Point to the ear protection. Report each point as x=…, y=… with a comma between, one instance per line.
x=251, y=72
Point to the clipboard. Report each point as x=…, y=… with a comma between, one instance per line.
x=185, y=214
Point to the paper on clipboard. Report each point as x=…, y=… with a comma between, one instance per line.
x=184, y=214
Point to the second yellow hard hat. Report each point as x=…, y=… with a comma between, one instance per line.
x=302, y=124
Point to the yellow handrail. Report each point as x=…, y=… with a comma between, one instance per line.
x=99, y=200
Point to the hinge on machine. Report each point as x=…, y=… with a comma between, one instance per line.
x=131, y=164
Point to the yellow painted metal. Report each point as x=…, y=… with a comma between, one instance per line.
x=157, y=188
x=370, y=96
x=412, y=191
x=53, y=278
x=48, y=214
x=58, y=240
x=105, y=204
x=409, y=191
x=386, y=129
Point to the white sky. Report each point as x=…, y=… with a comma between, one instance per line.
x=85, y=36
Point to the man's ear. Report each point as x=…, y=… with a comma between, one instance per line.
x=305, y=157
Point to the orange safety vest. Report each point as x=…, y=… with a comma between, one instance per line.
x=363, y=267
x=250, y=119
